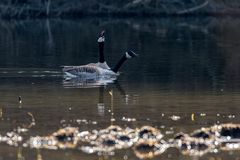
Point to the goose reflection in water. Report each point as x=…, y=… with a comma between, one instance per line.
x=86, y=82
x=103, y=90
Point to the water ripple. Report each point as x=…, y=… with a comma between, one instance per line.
x=29, y=72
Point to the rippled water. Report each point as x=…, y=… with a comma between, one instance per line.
x=186, y=77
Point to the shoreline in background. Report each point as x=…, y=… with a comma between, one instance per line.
x=25, y=9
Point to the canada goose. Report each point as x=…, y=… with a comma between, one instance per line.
x=100, y=69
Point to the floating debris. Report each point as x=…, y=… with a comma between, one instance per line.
x=230, y=145
x=63, y=138
x=204, y=140
x=196, y=144
x=193, y=117
x=80, y=121
x=195, y=147
x=203, y=133
x=169, y=132
x=33, y=122
x=202, y=114
x=175, y=118
x=227, y=131
x=109, y=139
x=62, y=121
x=149, y=149
x=148, y=132
x=146, y=141
x=22, y=130
x=128, y=119
x=231, y=116
x=94, y=122
x=11, y=138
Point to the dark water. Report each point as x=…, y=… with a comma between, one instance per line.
x=188, y=68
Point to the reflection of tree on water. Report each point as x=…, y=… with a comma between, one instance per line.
x=50, y=41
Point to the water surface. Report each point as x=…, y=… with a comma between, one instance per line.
x=186, y=67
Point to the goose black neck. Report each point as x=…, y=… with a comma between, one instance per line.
x=119, y=64
x=101, y=52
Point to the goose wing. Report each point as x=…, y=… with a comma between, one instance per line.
x=82, y=70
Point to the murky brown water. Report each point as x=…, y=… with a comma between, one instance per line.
x=186, y=77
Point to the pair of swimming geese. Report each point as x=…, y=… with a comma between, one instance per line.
x=97, y=69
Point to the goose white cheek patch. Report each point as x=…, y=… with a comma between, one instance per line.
x=128, y=56
x=101, y=39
